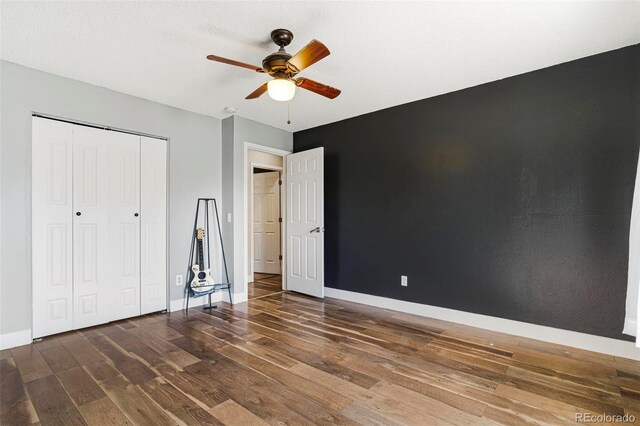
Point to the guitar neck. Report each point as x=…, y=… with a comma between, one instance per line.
x=200, y=255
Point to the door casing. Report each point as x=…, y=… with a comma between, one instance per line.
x=242, y=240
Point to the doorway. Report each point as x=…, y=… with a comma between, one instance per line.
x=302, y=212
x=264, y=224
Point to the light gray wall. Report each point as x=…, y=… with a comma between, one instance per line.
x=194, y=168
x=227, y=191
x=245, y=130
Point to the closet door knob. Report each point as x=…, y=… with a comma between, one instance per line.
x=136, y=215
x=78, y=213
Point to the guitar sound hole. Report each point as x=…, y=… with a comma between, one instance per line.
x=202, y=275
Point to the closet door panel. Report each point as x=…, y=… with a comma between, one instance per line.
x=153, y=222
x=124, y=224
x=91, y=282
x=51, y=230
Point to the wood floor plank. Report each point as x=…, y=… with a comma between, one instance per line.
x=80, y=386
x=419, y=403
x=452, y=396
x=256, y=377
x=15, y=406
x=394, y=408
x=130, y=367
x=137, y=406
x=200, y=350
x=103, y=412
x=170, y=353
x=231, y=413
x=320, y=362
x=127, y=341
x=30, y=363
x=263, y=406
x=268, y=355
x=537, y=346
x=320, y=394
x=367, y=415
x=58, y=358
x=53, y=405
x=568, y=395
x=162, y=331
x=175, y=402
x=562, y=411
x=627, y=364
x=206, y=394
x=83, y=351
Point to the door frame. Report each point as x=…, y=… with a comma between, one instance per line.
x=280, y=171
x=245, y=215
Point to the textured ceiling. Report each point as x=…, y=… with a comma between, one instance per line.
x=383, y=53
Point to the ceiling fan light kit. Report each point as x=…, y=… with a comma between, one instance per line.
x=281, y=89
x=283, y=67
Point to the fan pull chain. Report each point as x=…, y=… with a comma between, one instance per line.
x=288, y=112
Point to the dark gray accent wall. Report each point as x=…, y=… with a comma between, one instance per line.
x=510, y=199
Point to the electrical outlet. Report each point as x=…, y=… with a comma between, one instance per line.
x=179, y=279
x=404, y=280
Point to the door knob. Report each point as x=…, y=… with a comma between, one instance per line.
x=136, y=214
x=316, y=229
x=78, y=213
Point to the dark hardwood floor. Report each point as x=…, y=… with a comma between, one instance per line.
x=289, y=359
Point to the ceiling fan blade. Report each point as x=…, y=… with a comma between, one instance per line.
x=258, y=92
x=236, y=63
x=319, y=88
x=309, y=55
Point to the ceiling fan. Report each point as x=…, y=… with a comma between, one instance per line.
x=283, y=68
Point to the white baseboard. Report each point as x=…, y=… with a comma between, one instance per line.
x=180, y=304
x=16, y=338
x=539, y=332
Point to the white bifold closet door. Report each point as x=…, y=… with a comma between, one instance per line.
x=92, y=262
x=124, y=224
x=99, y=226
x=153, y=289
x=51, y=227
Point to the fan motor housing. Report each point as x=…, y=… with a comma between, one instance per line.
x=276, y=62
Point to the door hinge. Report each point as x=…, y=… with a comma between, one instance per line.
x=280, y=219
x=280, y=182
x=280, y=257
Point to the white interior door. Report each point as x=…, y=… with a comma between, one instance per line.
x=305, y=222
x=91, y=276
x=266, y=223
x=124, y=223
x=51, y=232
x=153, y=225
